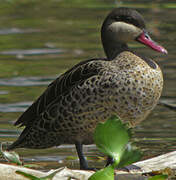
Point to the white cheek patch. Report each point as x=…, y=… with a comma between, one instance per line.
x=123, y=31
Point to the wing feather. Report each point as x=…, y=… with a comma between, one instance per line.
x=62, y=85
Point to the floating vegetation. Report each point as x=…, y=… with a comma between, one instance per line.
x=112, y=138
x=12, y=156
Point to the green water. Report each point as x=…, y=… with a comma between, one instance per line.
x=73, y=28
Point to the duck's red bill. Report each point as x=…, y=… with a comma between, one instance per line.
x=144, y=38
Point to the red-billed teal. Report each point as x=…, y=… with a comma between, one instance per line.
x=123, y=83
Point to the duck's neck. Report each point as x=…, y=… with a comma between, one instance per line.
x=112, y=49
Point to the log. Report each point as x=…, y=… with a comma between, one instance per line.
x=154, y=164
x=167, y=160
x=63, y=173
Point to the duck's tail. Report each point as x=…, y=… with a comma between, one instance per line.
x=20, y=142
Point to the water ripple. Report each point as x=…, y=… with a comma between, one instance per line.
x=15, y=107
x=3, y=92
x=26, y=81
x=17, y=31
x=21, y=52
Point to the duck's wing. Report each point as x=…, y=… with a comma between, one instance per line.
x=62, y=85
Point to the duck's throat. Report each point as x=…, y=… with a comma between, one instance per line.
x=112, y=50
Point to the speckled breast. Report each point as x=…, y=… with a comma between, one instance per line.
x=137, y=88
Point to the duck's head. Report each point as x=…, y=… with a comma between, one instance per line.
x=121, y=26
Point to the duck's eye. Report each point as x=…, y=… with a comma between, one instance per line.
x=147, y=36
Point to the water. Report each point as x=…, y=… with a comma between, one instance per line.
x=69, y=31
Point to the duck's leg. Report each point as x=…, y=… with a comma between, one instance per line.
x=109, y=161
x=82, y=160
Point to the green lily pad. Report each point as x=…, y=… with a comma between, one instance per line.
x=130, y=155
x=111, y=138
x=107, y=174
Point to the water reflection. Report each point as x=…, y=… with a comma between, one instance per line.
x=26, y=81
x=18, y=31
x=32, y=52
x=3, y=92
x=15, y=107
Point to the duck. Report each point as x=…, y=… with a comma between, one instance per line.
x=123, y=83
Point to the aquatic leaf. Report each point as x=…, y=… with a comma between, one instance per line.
x=50, y=176
x=159, y=177
x=31, y=177
x=31, y=165
x=111, y=138
x=11, y=156
x=130, y=155
x=106, y=173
